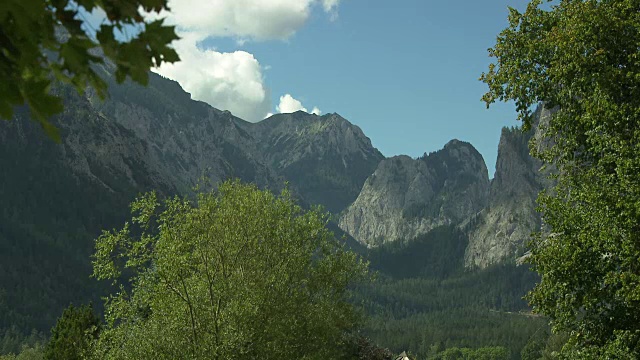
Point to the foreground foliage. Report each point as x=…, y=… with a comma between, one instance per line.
x=582, y=57
x=239, y=273
x=41, y=40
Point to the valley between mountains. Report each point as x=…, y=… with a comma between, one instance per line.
x=443, y=235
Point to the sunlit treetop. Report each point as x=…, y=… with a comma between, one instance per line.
x=46, y=40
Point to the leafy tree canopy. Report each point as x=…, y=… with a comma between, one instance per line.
x=582, y=58
x=41, y=40
x=239, y=273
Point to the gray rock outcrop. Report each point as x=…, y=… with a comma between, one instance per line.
x=501, y=231
x=407, y=197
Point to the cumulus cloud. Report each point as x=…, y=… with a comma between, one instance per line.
x=232, y=81
x=256, y=19
x=252, y=19
x=229, y=81
x=289, y=104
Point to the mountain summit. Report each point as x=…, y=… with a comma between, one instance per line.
x=406, y=197
x=326, y=158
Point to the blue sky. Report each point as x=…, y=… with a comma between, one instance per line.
x=405, y=71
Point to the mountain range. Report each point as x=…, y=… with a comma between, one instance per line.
x=56, y=198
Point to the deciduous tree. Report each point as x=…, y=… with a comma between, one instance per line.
x=239, y=273
x=583, y=58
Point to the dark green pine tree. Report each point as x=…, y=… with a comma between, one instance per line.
x=72, y=333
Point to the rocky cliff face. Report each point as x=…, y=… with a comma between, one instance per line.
x=326, y=158
x=145, y=137
x=157, y=137
x=500, y=232
x=184, y=140
x=407, y=197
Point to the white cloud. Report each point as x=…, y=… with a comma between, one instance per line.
x=256, y=19
x=288, y=104
x=232, y=81
x=253, y=19
x=229, y=81
x=331, y=7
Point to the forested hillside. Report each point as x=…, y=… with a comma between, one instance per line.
x=425, y=302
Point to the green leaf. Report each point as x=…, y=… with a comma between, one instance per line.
x=45, y=41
